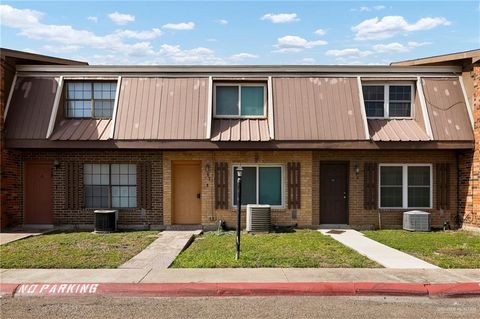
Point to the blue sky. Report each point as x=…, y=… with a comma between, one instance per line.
x=247, y=32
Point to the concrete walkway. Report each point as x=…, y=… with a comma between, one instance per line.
x=239, y=275
x=8, y=237
x=163, y=251
x=382, y=254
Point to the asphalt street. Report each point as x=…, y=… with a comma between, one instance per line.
x=241, y=307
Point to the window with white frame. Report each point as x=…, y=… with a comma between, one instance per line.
x=239, y=100
x=388, y=100
x=405, y=186
x=110, y=185
x=261, y=184
x=90, y=99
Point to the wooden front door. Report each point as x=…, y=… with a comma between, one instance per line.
x=334, y=193
x=187, y=188
x=38, y=193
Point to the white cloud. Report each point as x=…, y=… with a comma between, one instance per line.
x=293, y=43
x=139, y=35
x=29, y=25
x=19, y=18
x=280, y=17
x=320, y=32
x=175, y=54
x=369, y=9
x=92, y=18
x=348, y=53
x=388, y=26
x=396, y=47
x=221, y=22
x=121, y=18
x=242, y=56
x=179, y=26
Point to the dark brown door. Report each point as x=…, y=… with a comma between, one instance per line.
x=38, y=193
x=334, y=193
x=187, y=188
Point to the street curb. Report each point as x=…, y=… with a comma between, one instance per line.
x=240, y=289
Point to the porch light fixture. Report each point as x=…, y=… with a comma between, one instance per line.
x=239, y=210
x=357, y=169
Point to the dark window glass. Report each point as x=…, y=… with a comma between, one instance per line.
x=108, y=185
x=90, y=99
x=270, y=185
x=252, y=100
x=391, y=186
x=226, y=99
x=418, y=186
x=249, y=185
x=400, y=100
x=374, y=98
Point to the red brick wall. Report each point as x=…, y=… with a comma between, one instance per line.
x=10, y=210
x=130, y=217
x=470, y=166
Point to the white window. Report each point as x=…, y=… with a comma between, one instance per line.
x=261, y=184
x=239, y=100
x=110, y=185
x=90, y=99
x=405, y=186
x=388, y=100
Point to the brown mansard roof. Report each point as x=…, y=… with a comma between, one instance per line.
x=170, y=106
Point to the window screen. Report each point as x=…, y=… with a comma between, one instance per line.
x=374, y=99
x=108, y=185
x=252, y=100
x=418, y=186
x=249, y=185
x=405, y=186
x=239, y=100
x=270, y=185
x=267, y=180
x=391, y=189
x=226, y=100
x=400, y=100
x=90, y=99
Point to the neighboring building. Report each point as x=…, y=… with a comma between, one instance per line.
x=10, y=173
x=469, y=161
x=355, y=145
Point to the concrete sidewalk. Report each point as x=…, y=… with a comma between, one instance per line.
x=239, y=275
x=163, y=251
x=14, y=235
x=382, y=254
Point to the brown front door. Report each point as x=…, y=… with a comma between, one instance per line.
x=38, y=193
x=187, y=187
x=334, y=193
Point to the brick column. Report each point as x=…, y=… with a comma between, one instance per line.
x=470, y=167
x=10, y=162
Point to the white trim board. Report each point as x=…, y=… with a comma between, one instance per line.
x=115, y=107
x=209, y=108
x=423, y=106
x=467, y=102
x=362, y=108
x=10, y=94
x=56, y=102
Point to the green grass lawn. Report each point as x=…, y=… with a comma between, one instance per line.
x=449, y=249
x=302, y=248
x=75, y=250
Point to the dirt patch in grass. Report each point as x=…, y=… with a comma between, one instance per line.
x=75, y=250
x=303, y=248
x=446, y=249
